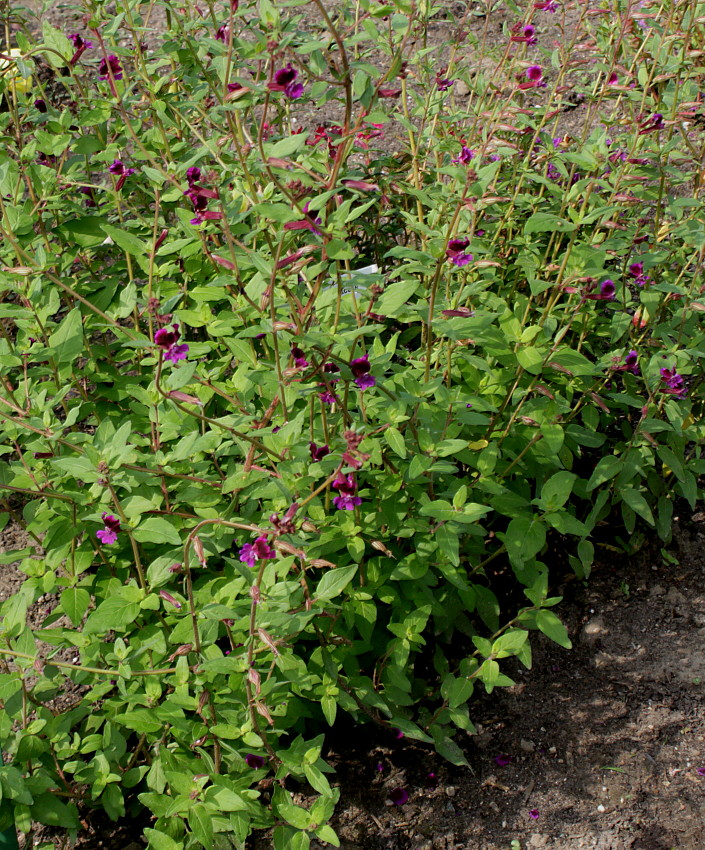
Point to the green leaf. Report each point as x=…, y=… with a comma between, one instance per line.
x=638, y=504
x=286, y=147
x=294, y=815
x=75, y=602
x=115, y=613
x=58, y=43
x=395, y=296
x=161, y=841
x=448, y=749
x=127, y=241
x=607, y=467
x=396, y=441
x=524, y=538
x=51, y=811
x=552, y=627
x=157, y=529
x=67, y=339
x=547, y=222
x=199, y=820
x=317, y=780
x=556, y=491
x=510, y=643
x=326, y=834
x=334, y=582
x=337, y=249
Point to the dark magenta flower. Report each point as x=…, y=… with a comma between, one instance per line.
x=299, y=357
x=307, y=223
x=110, y=66
x=547, y=5
x=193, y=175
x=121, y=172
x=347, y=500
x=607, y=289
x=40, y=105
x=612, y=79
x=534, y=73
x=653, y=122
x=257, y=551
x=285, y=80
x=631, y=362
x=167, y=340
x=431, y=779
x=503, y=760
x=465, y=155
x=318, y=452
x=253, y=761
x=399, y=796
x=443, y=83
x=108, y=534
x=456, y=252
x=167, y=597
x=534, y=814
x=700, y=771
x=389, y=92
x=361, y=372
x=674, y=382
x=223, y=33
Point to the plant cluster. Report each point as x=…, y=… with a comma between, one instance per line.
x=315, y=373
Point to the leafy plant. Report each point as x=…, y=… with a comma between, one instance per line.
x=298, y=412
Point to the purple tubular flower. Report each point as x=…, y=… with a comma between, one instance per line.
x=464, y=157
x=534, y=73
x=167, y=597
x=399, y=796
x=193, y=175
x=461, y=259
x=167, y=340
x=631, y=362
x=347, y=500
x=318, y=452
x=253, y=761
x=285, y=80
x=299, y=357
x=673, y=381
x=257, y=551
x=109, y=66
x=443, y=83
x=108, y=534
x=607, y=290
x=80, y=42
x=361, y=372
x=534, y=814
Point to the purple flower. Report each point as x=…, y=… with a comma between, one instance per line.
x=431, y=779
x=223, y=33
x=80, y=42
x=443, y=83
x=347, y=500
x=193, y=175
x=534, y=814
x=534, y=73
x=607, y=289
x=399, y=796
x=167, y=597
x=318, y=452
x=40, y=105
x=465, y=155
x=253, y=761
x=503, y=760
x=257, y=551
x=299, y=357
x=700, y=771
x=284, y=80
x=456, y=252
x=461, y=260
x=674, y=382
x=307, y=223
x=108, y=534
x=631, y=362
x=636, y=270
x=167, y=340
x=361, y=372
x=109, y=66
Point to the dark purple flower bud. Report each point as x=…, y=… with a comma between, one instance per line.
x=534, y=814
x=110, y=66
x=253, y=761
x=79, y=42
x=399, y=796
x=318, y=452
x=443, y=83
x=361, y=372
x=40, y=105
x=223, y=33
x=167, y=597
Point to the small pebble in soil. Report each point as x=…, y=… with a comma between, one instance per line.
x=600, y=808
x=451, y=791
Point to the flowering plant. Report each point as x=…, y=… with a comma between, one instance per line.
x=300, y=429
